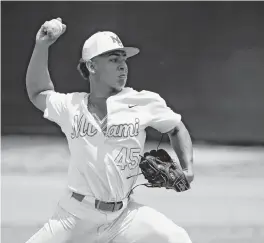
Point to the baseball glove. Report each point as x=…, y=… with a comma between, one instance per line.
x=161, y=171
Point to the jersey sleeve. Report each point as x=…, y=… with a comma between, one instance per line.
x=56, y=107
x=162, y=117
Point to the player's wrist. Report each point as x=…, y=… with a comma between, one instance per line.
x=189, y=175
x=40, y=45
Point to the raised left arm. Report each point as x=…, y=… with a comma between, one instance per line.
x=182, y=145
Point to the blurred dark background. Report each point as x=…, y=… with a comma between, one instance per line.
x=206, y=59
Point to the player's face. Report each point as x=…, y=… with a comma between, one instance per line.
x=112, y=70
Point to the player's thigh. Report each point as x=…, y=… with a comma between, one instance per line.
x=57, y=230
x=148, y=225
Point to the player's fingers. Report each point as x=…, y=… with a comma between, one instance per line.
x=50, y=34
x=44, y=27
x=42, y=31
x=46, y=24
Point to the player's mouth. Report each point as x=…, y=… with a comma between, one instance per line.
x=123, y=76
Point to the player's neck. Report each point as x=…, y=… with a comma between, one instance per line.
x=98, y=90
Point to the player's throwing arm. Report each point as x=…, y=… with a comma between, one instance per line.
x=38, y=80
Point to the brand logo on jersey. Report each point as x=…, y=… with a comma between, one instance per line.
x=131, y=106
x=82, y=127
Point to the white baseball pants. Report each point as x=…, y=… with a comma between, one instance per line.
x=80, y=222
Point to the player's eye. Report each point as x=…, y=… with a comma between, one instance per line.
x=114, y=60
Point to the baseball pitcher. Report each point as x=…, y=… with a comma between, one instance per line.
x=105, y=131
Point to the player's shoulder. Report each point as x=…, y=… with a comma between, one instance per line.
x=68, y=100
x=149, y=94
x=74, y=97
x=146, y=96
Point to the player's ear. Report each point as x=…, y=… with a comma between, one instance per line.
x=91, y=66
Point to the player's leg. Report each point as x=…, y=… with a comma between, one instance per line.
x=141, y=224
x=72, y=222
x=57, y=230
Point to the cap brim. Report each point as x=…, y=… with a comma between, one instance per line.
x=130, y=51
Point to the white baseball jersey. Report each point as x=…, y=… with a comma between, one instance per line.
x=101, y=161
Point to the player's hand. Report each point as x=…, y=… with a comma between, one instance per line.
x=50, y=31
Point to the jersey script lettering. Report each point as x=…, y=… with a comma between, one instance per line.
x=81, y=127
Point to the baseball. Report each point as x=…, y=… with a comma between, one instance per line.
x=55, y=26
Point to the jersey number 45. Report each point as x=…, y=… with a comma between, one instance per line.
x=128, y=158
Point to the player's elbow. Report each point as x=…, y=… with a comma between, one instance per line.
x=179, y=128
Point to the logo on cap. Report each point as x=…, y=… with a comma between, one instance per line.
x=115, y=39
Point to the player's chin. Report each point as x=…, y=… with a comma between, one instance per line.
x=121, y=82
x=118, y=86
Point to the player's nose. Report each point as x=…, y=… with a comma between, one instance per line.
x=123, y=67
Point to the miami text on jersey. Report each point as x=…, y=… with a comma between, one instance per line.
x=81, y=128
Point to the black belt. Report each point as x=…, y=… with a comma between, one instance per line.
x=105, y=206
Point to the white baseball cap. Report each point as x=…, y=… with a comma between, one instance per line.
x=102, y=42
